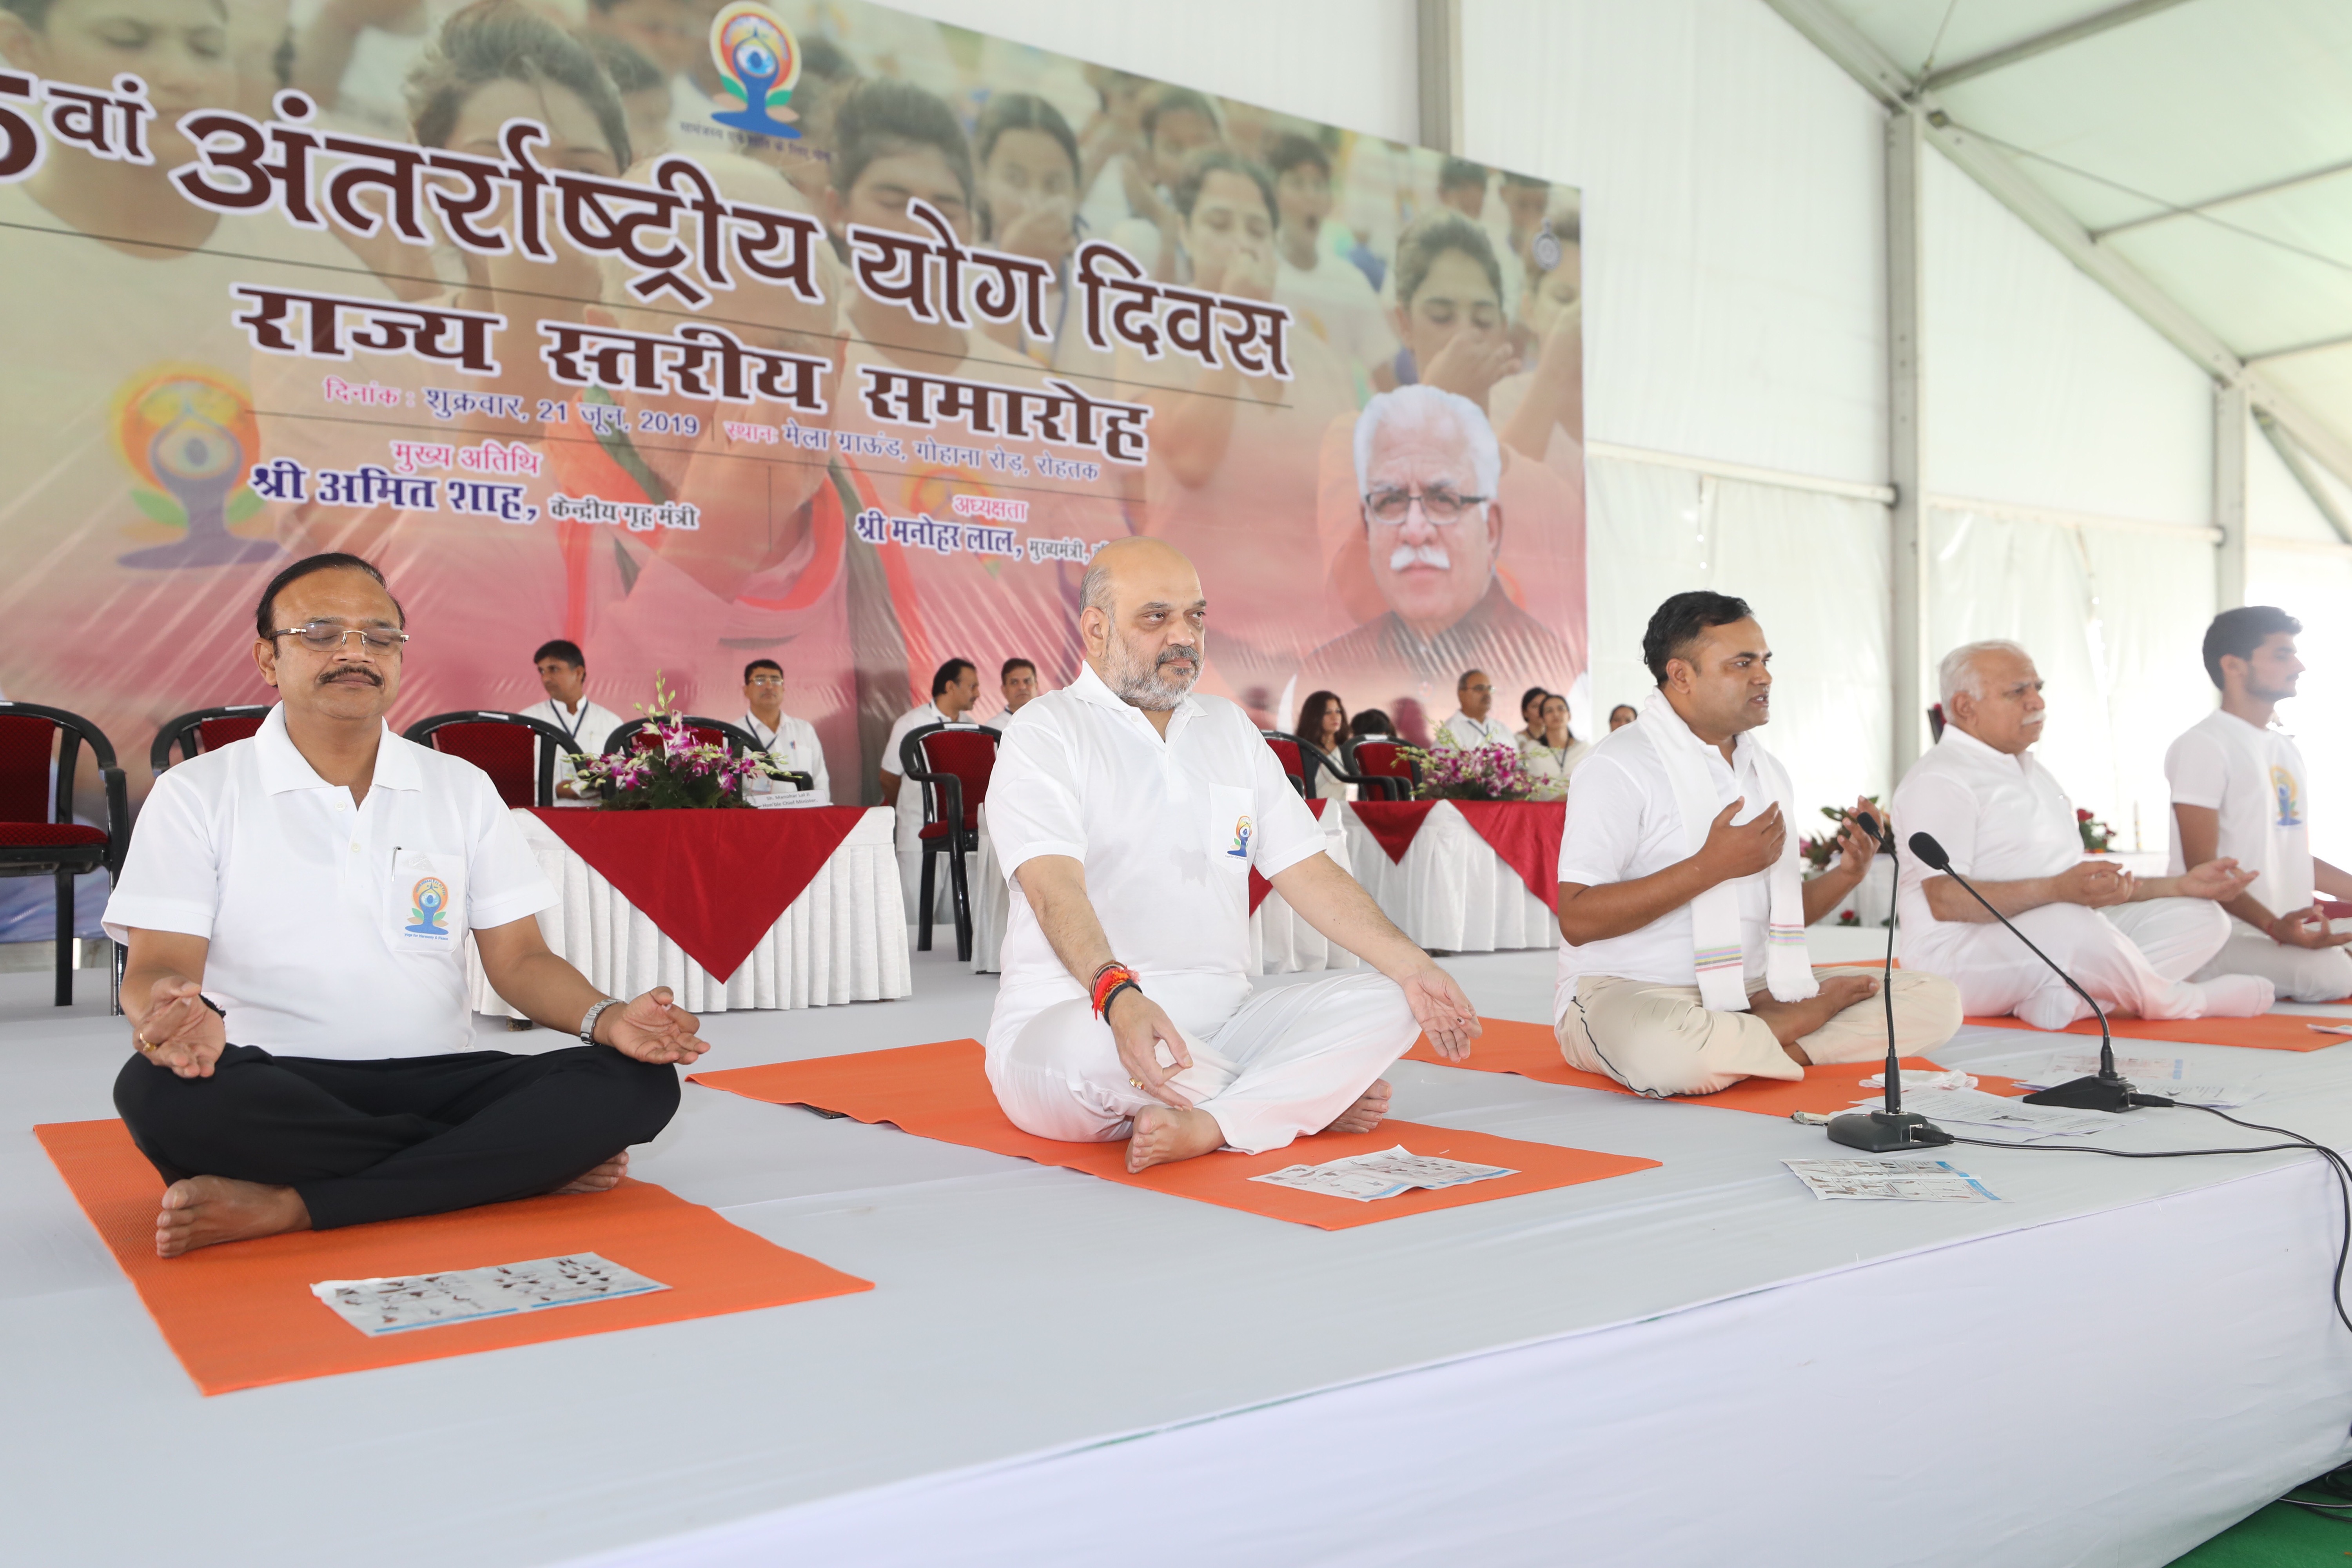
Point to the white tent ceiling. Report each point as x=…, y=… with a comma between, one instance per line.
x=2194, y=155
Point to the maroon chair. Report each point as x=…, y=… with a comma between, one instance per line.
x=1304, y=763
x=953, y=763
x=1935, y=723
x=638, y=734
x=1385, y=763
x=1291, y=755
x=506, y=746
x=38, y=836
x=205, y=730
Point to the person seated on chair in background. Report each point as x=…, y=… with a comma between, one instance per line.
x=790, y=743
x=2011, y=830
x=1531, y=713
x=1555, y=752
x=1621, y=716
x=2240, y=791
x=320, y=882
x=1323, y=725
x=1471, y=728
x=955, y=687
x=1372, y=724
x=1681, y=907
x=563, y=671
x=1018, y=681
x=1128, y=814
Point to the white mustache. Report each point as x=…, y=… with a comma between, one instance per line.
x=1406, y=556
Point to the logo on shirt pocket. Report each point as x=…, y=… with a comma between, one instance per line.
x=428, y=908
x=1240, y=846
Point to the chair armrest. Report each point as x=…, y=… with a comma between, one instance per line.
x=118, y=822
x=950, y=785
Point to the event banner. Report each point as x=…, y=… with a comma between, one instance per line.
x=698, y=333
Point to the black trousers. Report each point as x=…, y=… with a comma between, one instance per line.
x=384, y=1140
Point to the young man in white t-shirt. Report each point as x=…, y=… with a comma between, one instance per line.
x=2240, y=791
x=562, y=672
x=1128, y=814
x=310, y=893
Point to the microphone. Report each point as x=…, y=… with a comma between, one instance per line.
x=2105, y=1089
x=1881, y=1131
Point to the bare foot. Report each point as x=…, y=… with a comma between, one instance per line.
x=1365, y=1113
x=203, y=1211
x=602, y=1179
x=1166, y=1132
x=1792, y=1021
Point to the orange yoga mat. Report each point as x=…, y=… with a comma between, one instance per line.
x=1530, y=1051
x=2265, y=1032
x=241, y=1314
x=940, y=1090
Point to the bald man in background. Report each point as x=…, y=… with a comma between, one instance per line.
x=1127, y=815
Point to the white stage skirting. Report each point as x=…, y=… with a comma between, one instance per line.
x=1281, y=941
x=1694, y=1365
x=1452, y=893
x=843, y=940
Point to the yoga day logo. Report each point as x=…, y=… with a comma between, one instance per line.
x=760, y=62
x=428, y=907
x=2289, y=794
x=1240, y=851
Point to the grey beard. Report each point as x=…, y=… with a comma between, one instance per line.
x=1148, y=688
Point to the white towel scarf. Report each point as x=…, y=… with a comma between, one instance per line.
x=1717, y=947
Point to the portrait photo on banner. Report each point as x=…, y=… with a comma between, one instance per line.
x=694, y=333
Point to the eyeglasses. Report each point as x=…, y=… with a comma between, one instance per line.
x=1441, y=506
x=325, y=637
x=766, y=680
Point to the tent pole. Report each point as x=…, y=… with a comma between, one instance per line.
x=1911, y=668
x=1440, y=69
x=2231, y=418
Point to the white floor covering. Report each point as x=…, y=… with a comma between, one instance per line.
x=1697, y=1364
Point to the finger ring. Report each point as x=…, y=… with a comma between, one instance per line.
x=1135, y=1083
x=138, y=1039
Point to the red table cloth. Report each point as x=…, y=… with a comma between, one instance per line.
x=1259, y=886
x=1525, y=834
x=713, y=881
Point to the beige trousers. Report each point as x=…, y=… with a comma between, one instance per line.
x=1658, y=1040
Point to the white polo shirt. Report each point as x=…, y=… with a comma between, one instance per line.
x=1621, y=825
x=2254, y=780
x=909, y=803
x=2000, y=818
x=335, y=932
x=792, y=744
x=1168, y=831
x=1472, y=733
x=589, y=729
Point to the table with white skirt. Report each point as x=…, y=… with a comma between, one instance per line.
x=1280, y=942
x=1451, y=893
x=844, y=939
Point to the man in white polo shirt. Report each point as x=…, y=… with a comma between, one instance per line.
x=790, y=742
x=1471, y=728
x=563, y=676
x=2239, y=790
x=1683, y=966
x=308, y=895
x=955, y=687
x=1128, y=814
x=2011, y=830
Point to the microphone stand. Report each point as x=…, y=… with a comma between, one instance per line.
x=1893, y=1128
x=2105, y=1089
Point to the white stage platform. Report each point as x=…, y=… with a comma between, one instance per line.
x=1698, y=1363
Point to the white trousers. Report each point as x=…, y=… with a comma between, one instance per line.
x=1285, y=1062
x=2300, y=974
x=2134, y=958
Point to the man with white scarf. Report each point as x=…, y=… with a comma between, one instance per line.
x=2239, y=789
x=2009, y=829
x=1683, y=966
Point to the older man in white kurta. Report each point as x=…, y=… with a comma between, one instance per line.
x=2011, y=830
x=1128, y=814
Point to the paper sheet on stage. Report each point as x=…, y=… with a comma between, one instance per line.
x=1883, y=1180
x=1975, y=1107
x=1917, y=1081
x=1368, y=1177
x=2149, y=1075
x=397, y=1303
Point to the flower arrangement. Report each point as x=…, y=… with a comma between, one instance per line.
x=1449, y=771
x=2096, y=834
x=1818, y=852
x=681, y=773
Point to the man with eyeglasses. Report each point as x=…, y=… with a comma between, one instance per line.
x=790, y=742
x=308, y=895
x=1428, y=468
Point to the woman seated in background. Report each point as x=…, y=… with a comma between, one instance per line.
x=1555, y=752
x=1621, y=716
x=1531, y=713
x=1323, y=725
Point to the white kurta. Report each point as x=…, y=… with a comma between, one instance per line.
x=792, y=746
x=1472, y=733
x=1168, y=831
x=2255, y=783
x=589, y=727
x=2003, y=818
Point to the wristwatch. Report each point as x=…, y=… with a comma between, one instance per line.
x=588, y=1023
